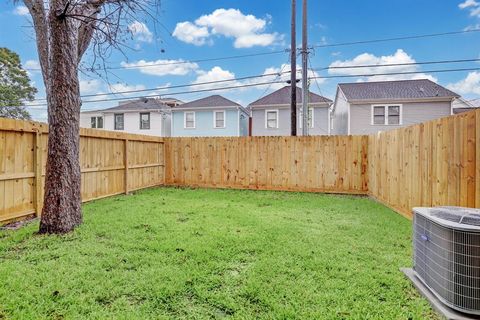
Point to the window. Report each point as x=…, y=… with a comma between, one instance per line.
x=393, y=114
x=189, y=120
x=96, y=122
x=119, y=121
x=387, y=115
x=271, y=119
x=219, y=119
x=310, y=118
x=379, y=115
x=145, y=121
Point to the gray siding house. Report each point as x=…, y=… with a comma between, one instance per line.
x=370, y=107
x=271, y=114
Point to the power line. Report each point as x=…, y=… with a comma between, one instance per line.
x=273, y=82
x=282, y=51
x=395, y=73
x=398, y=64
x=173, y=93
x=274, y=74
x=184, y=85
x=180, y=62
x=430, y=35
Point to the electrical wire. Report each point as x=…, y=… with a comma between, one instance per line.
x=284, y=50
x=272, y=82
x=277, y=74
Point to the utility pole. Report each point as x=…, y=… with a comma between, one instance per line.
x=304, y=71
x=293, y=71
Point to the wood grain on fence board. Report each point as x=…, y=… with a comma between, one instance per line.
x=429, y=164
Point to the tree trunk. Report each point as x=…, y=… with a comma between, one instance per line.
x=62, y=201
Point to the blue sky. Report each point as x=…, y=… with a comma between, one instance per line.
x=191, y=29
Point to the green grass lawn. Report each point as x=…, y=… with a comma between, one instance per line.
x=183, y=253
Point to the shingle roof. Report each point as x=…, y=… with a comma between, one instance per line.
x=211, y=101
x=282, y=96
x=395, y=90
x=140, y=104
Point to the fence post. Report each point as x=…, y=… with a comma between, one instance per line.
x=126, y=165
x=477, y=155
x=37, y=167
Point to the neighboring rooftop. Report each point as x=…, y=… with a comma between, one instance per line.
x=144, y=104
x=282, y=96
x=211, y=101
x=395, y=90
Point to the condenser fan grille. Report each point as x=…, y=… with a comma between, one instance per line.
x=447, y=259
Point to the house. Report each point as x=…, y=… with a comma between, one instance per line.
x=271, y=114
x=209, y=117
x=370, y=107
x=143, y=116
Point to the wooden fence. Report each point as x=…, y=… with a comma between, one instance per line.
x=336, y=164
x=111, y=163
x=430, y=164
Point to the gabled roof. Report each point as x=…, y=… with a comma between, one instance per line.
x=282, y=96
x=211, y=101
x=395, y=90
x=140, y=104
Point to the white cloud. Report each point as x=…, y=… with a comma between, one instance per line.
x=163, y=67
x=90, y=86
x=21, y=11
x=469, y=85
x=251, y=40
x=473, y=7
x=472, y=27
x=32, y=64
x=190, y=33
x=399, y=57
x=32, y=67
x=140, y=31
x=475, y=12
x=247, y=30
x=121, y=87
x=215, y=74
x=282, y=75
x=468, y=4
x=323, y=41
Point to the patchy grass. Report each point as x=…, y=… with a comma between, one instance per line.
x=182, y=253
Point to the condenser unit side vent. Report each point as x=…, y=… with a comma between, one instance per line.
x=446, y=245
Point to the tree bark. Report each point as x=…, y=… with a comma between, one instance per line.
x=62, y=200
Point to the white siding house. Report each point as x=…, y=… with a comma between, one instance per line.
x=143, y=116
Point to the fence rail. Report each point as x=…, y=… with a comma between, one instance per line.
x=111, y=163
x=436, y=163
x=318, y=164
x=430, y=164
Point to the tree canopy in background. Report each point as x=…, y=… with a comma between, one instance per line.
x=15, y=86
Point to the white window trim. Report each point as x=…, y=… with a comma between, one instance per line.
x=149, y=121
x=385, y=106
x=185, y=120
x=266, y=120
x=312, y=124
x=115, y=121
x=215, y=119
